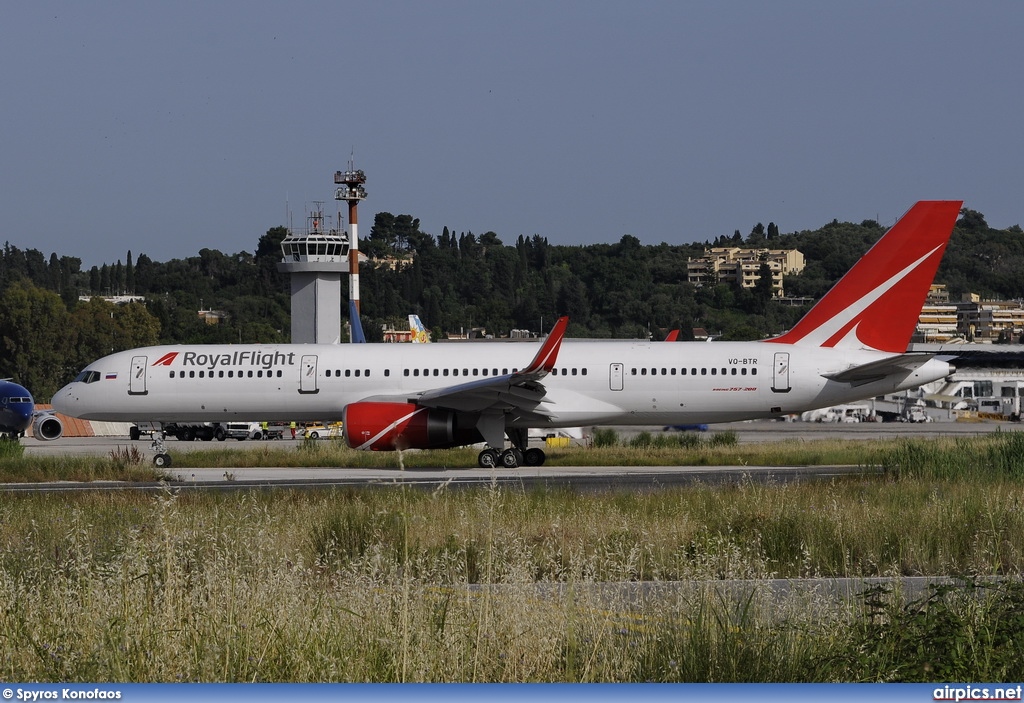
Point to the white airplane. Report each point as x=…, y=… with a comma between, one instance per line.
x=851, y=345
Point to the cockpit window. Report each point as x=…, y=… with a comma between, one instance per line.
x=88, y=377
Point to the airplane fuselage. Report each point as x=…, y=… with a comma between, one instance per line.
x=593, y=382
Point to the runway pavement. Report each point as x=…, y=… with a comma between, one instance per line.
x=746, y=433
x=582, y=478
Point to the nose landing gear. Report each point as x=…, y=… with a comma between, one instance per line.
x=161, y=459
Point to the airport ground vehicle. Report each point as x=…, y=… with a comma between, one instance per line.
x=320, y=430
x=243, y=430
x=183, y=431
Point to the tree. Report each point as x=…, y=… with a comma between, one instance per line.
x=764, y=290
x=972, y=221
x=129, y=275
x=34, y=342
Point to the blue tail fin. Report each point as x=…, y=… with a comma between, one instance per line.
x=356, y=326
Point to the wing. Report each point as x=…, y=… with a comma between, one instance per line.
x=521, y=392
x=877, y=370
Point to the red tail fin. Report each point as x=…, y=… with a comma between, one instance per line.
x=876, y=305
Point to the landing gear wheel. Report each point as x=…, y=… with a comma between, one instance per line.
x=488, y=459
x=511, y=458
x=534, y=456
x=162, y=460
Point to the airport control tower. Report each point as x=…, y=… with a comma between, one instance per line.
x=316, y=261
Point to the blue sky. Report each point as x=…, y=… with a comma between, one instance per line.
x=163, y=128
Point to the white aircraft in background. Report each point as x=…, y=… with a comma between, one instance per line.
x=851, y=345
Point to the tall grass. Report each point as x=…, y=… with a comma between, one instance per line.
x=485, y=585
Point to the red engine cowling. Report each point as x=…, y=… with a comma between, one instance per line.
x=391, y=426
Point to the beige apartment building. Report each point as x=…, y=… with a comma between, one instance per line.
x=743, y=266
x=971, y=319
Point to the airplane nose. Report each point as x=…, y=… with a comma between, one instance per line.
x=63, y=401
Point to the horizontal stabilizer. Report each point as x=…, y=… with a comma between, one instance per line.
x=877, y=370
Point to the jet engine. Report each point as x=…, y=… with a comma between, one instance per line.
x=391, y=426
x=47, y=426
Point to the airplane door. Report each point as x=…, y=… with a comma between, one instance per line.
x=307, y=382
x=615, y=377
x=137, y=377
x=780, y=377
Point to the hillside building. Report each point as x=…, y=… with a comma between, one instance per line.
x=743, y=266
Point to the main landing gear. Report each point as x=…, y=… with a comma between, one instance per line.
x=511, y=458
x=514, y=457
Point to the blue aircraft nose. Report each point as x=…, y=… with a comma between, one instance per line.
x=16, y=408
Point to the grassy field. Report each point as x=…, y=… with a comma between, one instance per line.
x=502, y=585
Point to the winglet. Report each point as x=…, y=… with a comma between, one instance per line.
x=545, y=359
x=877, y=303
